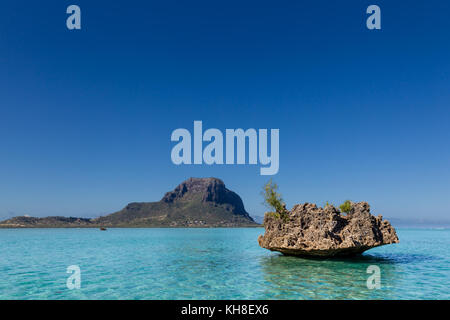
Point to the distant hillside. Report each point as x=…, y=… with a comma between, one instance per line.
x=258, y=219
x=197, y=202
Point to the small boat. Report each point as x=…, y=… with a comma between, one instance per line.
x=102, y=229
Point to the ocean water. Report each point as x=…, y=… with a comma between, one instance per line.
x=211, y=264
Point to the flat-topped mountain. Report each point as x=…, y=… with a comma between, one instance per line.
x=196, y=202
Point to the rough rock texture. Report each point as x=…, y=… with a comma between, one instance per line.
x=311, y=231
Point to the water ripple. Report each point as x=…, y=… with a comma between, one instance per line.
x=212, y=264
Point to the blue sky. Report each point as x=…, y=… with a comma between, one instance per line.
x=86, y=116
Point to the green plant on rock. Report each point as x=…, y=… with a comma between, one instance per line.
x=328, y=204
x=346, y=206
x=273, y=200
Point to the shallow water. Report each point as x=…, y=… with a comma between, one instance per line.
x=211, y=264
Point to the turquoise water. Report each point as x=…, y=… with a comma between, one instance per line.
x=211, y=264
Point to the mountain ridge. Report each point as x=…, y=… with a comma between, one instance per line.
x=196, y=202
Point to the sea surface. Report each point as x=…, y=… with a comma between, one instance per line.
x=212, y=264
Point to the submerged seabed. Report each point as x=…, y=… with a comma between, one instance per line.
x=211, y=264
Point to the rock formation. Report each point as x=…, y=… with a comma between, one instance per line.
x=211, y=190
x=308, y=230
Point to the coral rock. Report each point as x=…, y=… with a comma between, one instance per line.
x=311, y=231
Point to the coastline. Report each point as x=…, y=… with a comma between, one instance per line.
x=134, y=227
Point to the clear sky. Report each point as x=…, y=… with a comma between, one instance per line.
x=86, y=116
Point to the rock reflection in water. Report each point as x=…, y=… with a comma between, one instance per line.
x=306, y=278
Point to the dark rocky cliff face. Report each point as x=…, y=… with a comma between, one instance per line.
x=212, y=190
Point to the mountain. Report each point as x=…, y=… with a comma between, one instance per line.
x=258, y=219
x=196, y=202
